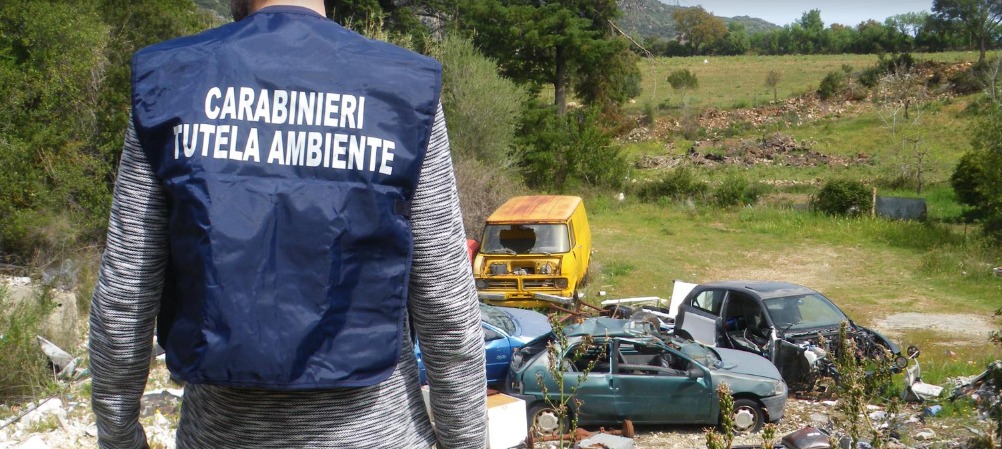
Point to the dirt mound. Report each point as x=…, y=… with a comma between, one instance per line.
x=774, y=149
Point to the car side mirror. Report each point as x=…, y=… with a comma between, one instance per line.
x=694, y=373
x=490, y=335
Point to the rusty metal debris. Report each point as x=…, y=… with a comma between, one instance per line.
x=580, y=435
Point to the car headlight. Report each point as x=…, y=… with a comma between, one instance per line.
x=779, y=389
x=481, y=284
x=560, y=283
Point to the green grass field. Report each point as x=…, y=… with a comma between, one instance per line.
x=727, y=82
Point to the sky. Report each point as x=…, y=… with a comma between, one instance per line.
x=785, y=12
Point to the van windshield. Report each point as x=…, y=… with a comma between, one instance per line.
x=525, y=239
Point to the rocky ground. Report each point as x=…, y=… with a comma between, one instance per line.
x=65, y=421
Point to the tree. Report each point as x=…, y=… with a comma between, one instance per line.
x=737, y=41
x=978, y=177
x=809, y=32
x=545, y=42
x=979, y=18
x=698, y=28
x=683, y=80
x=771, y=81
x=566, y=152
x=401, y=20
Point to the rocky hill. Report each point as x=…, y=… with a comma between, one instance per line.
x=653, y=18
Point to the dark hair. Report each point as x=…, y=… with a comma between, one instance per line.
x=239, y=9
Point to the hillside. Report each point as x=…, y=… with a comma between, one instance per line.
x=653, y=19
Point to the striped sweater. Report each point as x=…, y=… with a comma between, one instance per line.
x=443, y=312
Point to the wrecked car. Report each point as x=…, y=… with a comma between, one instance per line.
x=635, y=374
x=535, y=250
x=505, y=330
x=783, y=322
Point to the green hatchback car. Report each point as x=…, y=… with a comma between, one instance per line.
x=638, y=375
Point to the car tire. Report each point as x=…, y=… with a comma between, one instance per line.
x=544, y=420
x=748, y=416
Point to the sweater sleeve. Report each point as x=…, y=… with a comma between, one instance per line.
x=444, y=304
x=127, y=299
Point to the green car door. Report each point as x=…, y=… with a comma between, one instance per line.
x=652, y=394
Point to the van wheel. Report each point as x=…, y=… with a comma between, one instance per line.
x=544, y=420
x=748, y=416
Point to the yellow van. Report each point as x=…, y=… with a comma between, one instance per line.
x=535, y=250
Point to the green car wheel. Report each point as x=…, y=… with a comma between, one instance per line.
x=748, y=416
x=545, y=421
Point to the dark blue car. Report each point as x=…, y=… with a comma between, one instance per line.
x=505, y=329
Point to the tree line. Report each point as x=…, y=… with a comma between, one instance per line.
x=952, y=25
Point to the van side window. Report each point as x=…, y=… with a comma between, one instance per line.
x=709, y=301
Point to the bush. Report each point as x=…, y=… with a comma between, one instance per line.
x=650, y=115
x=842, y=197
x=898, y=63
x=832, y=85
x=737, y=191
x=482, y=107
x=678, y=185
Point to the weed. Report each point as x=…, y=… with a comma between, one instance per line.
x=44, y=424
x=715, y=440
x=25, y=370
x=562, y=401
x=769, y=436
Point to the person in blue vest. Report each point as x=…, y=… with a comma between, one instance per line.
x=286, y=217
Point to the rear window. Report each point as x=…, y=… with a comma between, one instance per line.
x=497, y=318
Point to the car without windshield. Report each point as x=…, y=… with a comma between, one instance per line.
x=783, y=322
x=635, y=374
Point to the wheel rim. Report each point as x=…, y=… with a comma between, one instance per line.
x=745, y=419
x=546, y=422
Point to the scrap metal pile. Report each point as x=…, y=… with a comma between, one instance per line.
x=985, y=389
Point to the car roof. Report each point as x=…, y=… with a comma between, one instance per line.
x=535, y=208
x=764, y=289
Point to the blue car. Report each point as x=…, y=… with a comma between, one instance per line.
x=505, y=330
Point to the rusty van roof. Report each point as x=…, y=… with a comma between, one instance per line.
x=536, y=208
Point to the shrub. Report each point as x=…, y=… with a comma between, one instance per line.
x=482, y=107
x=650, y=115
x=898, y=63
x=683, y=80
x=737, y=191
x=832, y=85
x=842, y=197
x=678, y=185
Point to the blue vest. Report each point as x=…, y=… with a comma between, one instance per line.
x=289, y=149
